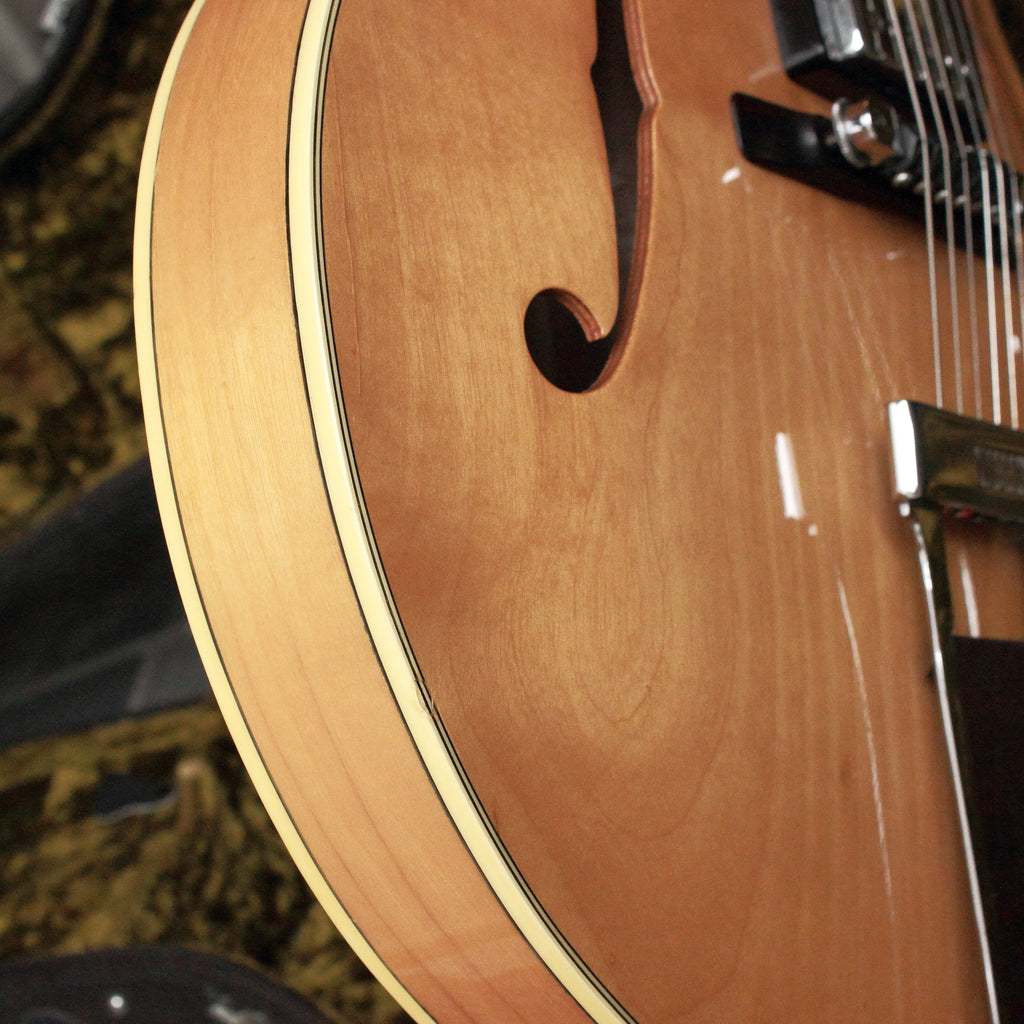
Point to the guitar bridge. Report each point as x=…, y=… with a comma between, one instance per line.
x=951, y=462
x=946, y=466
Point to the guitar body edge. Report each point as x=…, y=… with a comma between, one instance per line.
x=437, y=910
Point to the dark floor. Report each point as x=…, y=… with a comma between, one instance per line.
x=91, y=625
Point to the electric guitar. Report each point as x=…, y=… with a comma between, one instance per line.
x=525, y=385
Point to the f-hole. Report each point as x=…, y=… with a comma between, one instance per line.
x=554, y=336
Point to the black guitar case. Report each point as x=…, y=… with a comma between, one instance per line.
x=145, y=985
x=43, y=43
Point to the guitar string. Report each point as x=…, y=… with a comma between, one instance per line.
x=1007, y=292
x=1016, y=346
x=976, y=195
x=1008, y=191
x=997, y=157
x=1014, y=267
x=926, y=181
x=1014, y=342
x=989, y=164
x=928, y=195
x=933, y=55
x=977, y=104
x=991, y=273
x=952, y=60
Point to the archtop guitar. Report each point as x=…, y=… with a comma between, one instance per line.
x=585, y=435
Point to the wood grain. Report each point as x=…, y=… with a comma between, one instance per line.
x=293, y=648
x=704, y=731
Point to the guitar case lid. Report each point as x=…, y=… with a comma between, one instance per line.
x=42, y=45
x=144, y=985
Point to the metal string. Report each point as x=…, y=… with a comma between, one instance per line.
x=951, y=241
x=989, y=170
x=961, y=53
x=1007, y=289
x=948, y=192
x=926, y=183
x=1015, y=346
x=956, y=81
x=1010, y=243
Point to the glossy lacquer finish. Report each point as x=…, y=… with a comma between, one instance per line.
x=607, y=704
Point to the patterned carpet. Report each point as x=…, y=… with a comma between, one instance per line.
x=148, y=832
x=69, y=397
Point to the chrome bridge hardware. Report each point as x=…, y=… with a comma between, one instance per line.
x=945, y=461
x=871, y=134
x=949, y=465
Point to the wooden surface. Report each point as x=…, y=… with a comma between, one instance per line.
x=371, y=821
x=703, y=728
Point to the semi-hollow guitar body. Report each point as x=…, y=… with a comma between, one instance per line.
x=611, y=703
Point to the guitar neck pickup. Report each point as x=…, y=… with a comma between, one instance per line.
x=947, y=461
